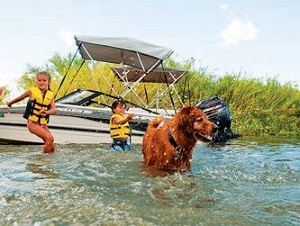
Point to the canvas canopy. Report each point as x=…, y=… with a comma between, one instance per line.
x=122, y=50
x=158, y=75
x=128, y=52
x=128, y=75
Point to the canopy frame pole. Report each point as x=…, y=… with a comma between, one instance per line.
x=91, y=74
x=107, y=82
x=96, y=84
x=126, y=51
x=78, y=69
x=143, y=76
x=102, y=74
x=140, y=60
x=169, y=88
x=124, y=78
x=66, y=73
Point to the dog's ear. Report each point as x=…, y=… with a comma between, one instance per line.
x=186, y=119
x=186, y=110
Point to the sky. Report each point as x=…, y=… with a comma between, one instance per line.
x=257, y=39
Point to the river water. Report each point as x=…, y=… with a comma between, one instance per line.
x=250, y=181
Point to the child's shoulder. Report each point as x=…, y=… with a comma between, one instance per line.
x=117, y=115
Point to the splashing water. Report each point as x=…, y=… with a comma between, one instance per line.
x=247, y=182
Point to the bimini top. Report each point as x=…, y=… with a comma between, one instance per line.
x=158, y=75
x=122, y=50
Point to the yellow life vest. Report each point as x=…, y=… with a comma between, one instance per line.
x=118, y=131
x=37, y=103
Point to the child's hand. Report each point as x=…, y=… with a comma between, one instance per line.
x=8, y=104
x=43, y=112
x=130, y=116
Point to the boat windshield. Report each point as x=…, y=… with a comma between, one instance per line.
x=77, y=97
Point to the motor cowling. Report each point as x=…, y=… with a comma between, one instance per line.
x=218, y=112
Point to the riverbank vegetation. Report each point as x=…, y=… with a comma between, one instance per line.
x=260, y=107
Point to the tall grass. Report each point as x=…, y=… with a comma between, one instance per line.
x=259, y=107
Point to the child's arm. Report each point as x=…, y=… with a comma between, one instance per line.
x=19, y=98
x=51, y=111
x=121, y=122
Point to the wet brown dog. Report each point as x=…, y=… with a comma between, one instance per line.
x=168, y=145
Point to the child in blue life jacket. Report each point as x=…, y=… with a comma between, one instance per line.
x=119, y=126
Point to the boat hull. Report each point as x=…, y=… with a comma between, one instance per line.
x=65, y=129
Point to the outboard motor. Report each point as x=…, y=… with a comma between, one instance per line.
x=217, y=112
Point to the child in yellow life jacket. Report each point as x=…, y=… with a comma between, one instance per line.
x=40, y=105
x=119, y=126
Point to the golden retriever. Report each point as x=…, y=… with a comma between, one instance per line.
x=168, y=145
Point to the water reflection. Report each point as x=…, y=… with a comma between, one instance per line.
x=42, y=164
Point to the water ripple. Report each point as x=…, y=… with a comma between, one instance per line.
x=246, y=182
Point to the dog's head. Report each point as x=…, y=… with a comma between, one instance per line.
x=194, y=122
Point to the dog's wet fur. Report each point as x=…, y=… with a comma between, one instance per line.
x=168, y=145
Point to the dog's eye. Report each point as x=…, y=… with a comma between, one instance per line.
x=199, y=119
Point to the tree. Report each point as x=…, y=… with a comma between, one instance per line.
x=57, y=66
